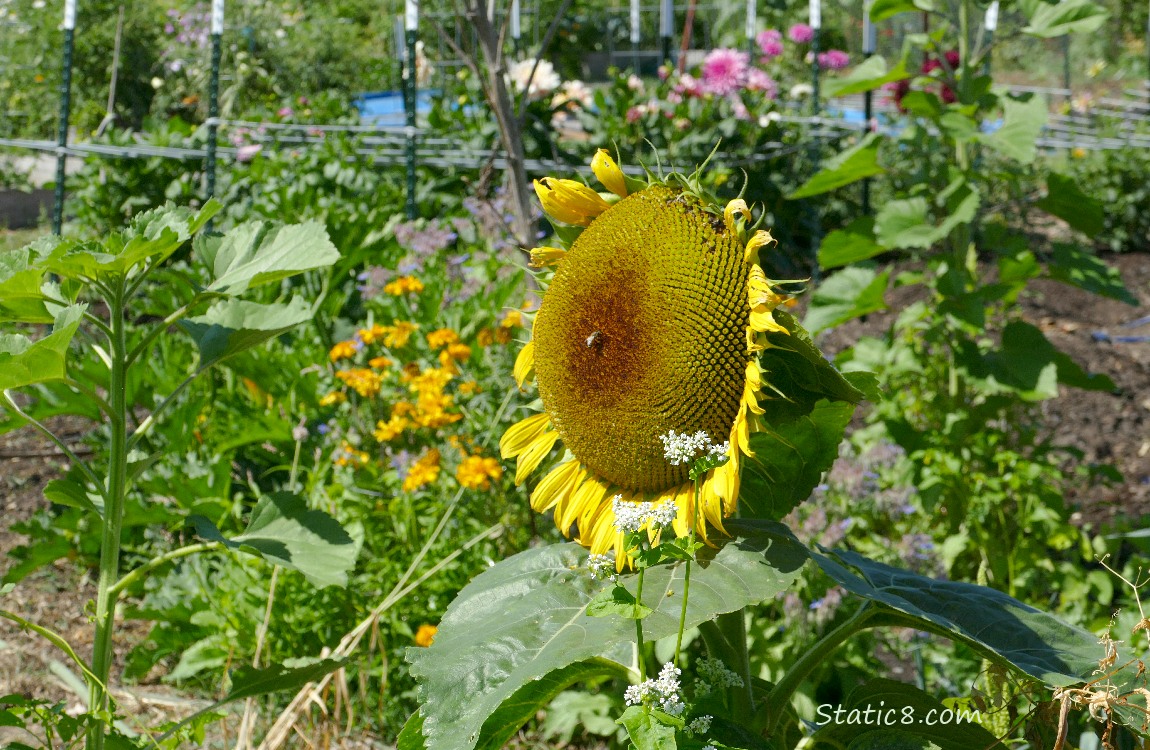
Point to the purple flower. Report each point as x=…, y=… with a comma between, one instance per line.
x=724, y=71
x=285, y=112
x=834, y=59
x=800, y=33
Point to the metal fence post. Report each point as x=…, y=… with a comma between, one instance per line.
x=411, y=25
x=65, y=116
x=869, y=47
x=666, y=27
x=636, y=36
x=217, y=30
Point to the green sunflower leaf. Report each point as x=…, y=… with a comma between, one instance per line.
x=796, y=376
x=232, y=326
x=789, y=460
x=996, y=625
x=526, y=617
x=284, y=531
x=26, y=362
x=260, y=252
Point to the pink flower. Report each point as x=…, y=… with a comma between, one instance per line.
x=740, y=110
x=634, y=114
x=800, y=33
x=248, y=152
x=688, y=85
x=758, y=80
x=285, y=112
x=834, y=59
x=724, y=71
x=770, y=42
x=675, y=97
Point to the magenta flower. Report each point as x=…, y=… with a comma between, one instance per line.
x=724, y=71
x=770, y=43
x=285, y=112
x=834, y=59
x=800, y=33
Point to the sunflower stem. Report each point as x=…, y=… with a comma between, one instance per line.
x=687, y=575
x=639, y=626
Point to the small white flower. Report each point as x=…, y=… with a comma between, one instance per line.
x=801, y=90
x=602, y=566
x=673, y=706
x=700, y=725
x=714, y=675
x=663, y=516
x=709, y=747
x=635, y=694
x=721, y=449
x=682, y=448
x=629, y=517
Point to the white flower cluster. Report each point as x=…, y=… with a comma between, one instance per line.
x=700, y=725
x=713, y=675
x=662, y=693
x=709, y=747
x=602, y=566
x=630, y=517
x=683, y=448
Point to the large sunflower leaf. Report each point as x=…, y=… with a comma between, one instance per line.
x=789, y=460
x=232, y=326
x=284, y=531
x=526, y=617
x=24, y=362
x=260, y=253
x=996, y=625
x=21, y=298
x=796, y=376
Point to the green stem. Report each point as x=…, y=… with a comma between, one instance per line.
x=780, y=696
x=135, y=575
x=733, y=628
x=90, y=393
x=687, y=576
x=113, y=516
x=52, y=637
x=639, y=627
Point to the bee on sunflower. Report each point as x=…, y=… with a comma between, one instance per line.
x=652, y=322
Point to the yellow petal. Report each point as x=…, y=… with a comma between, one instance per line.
x=529, y=459
x=727, y=483
x=555, y=486
x=711, y=505
x=753, y=387
x=567, y=509
x=585, y=502
x=762, y=238
x=763, y=301
x=737, y=207
x=569, y=201
x=524, y=363
x=522, y=434
x=546, y=256
x=608, y=173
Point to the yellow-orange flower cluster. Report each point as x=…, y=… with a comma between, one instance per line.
x=343, y=350
x=404, y=285
x=477, y=472
x=363, y=381
x=422, y=472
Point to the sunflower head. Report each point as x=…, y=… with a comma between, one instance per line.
x=654, y=315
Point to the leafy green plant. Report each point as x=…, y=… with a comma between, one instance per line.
x=55, y=282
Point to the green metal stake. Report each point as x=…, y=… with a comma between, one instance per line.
x=214, y=99
x=816, y=29
x=65, y=115
x=410, y=100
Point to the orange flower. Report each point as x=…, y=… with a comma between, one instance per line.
x=380, y=363
x=343, y=350
x=441, y=338
x=425, y=635
x=404, y=285
x=476, y=472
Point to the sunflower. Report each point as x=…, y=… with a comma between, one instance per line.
x=651, y=323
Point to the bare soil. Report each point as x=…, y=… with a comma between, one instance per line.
x=1109, y=428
